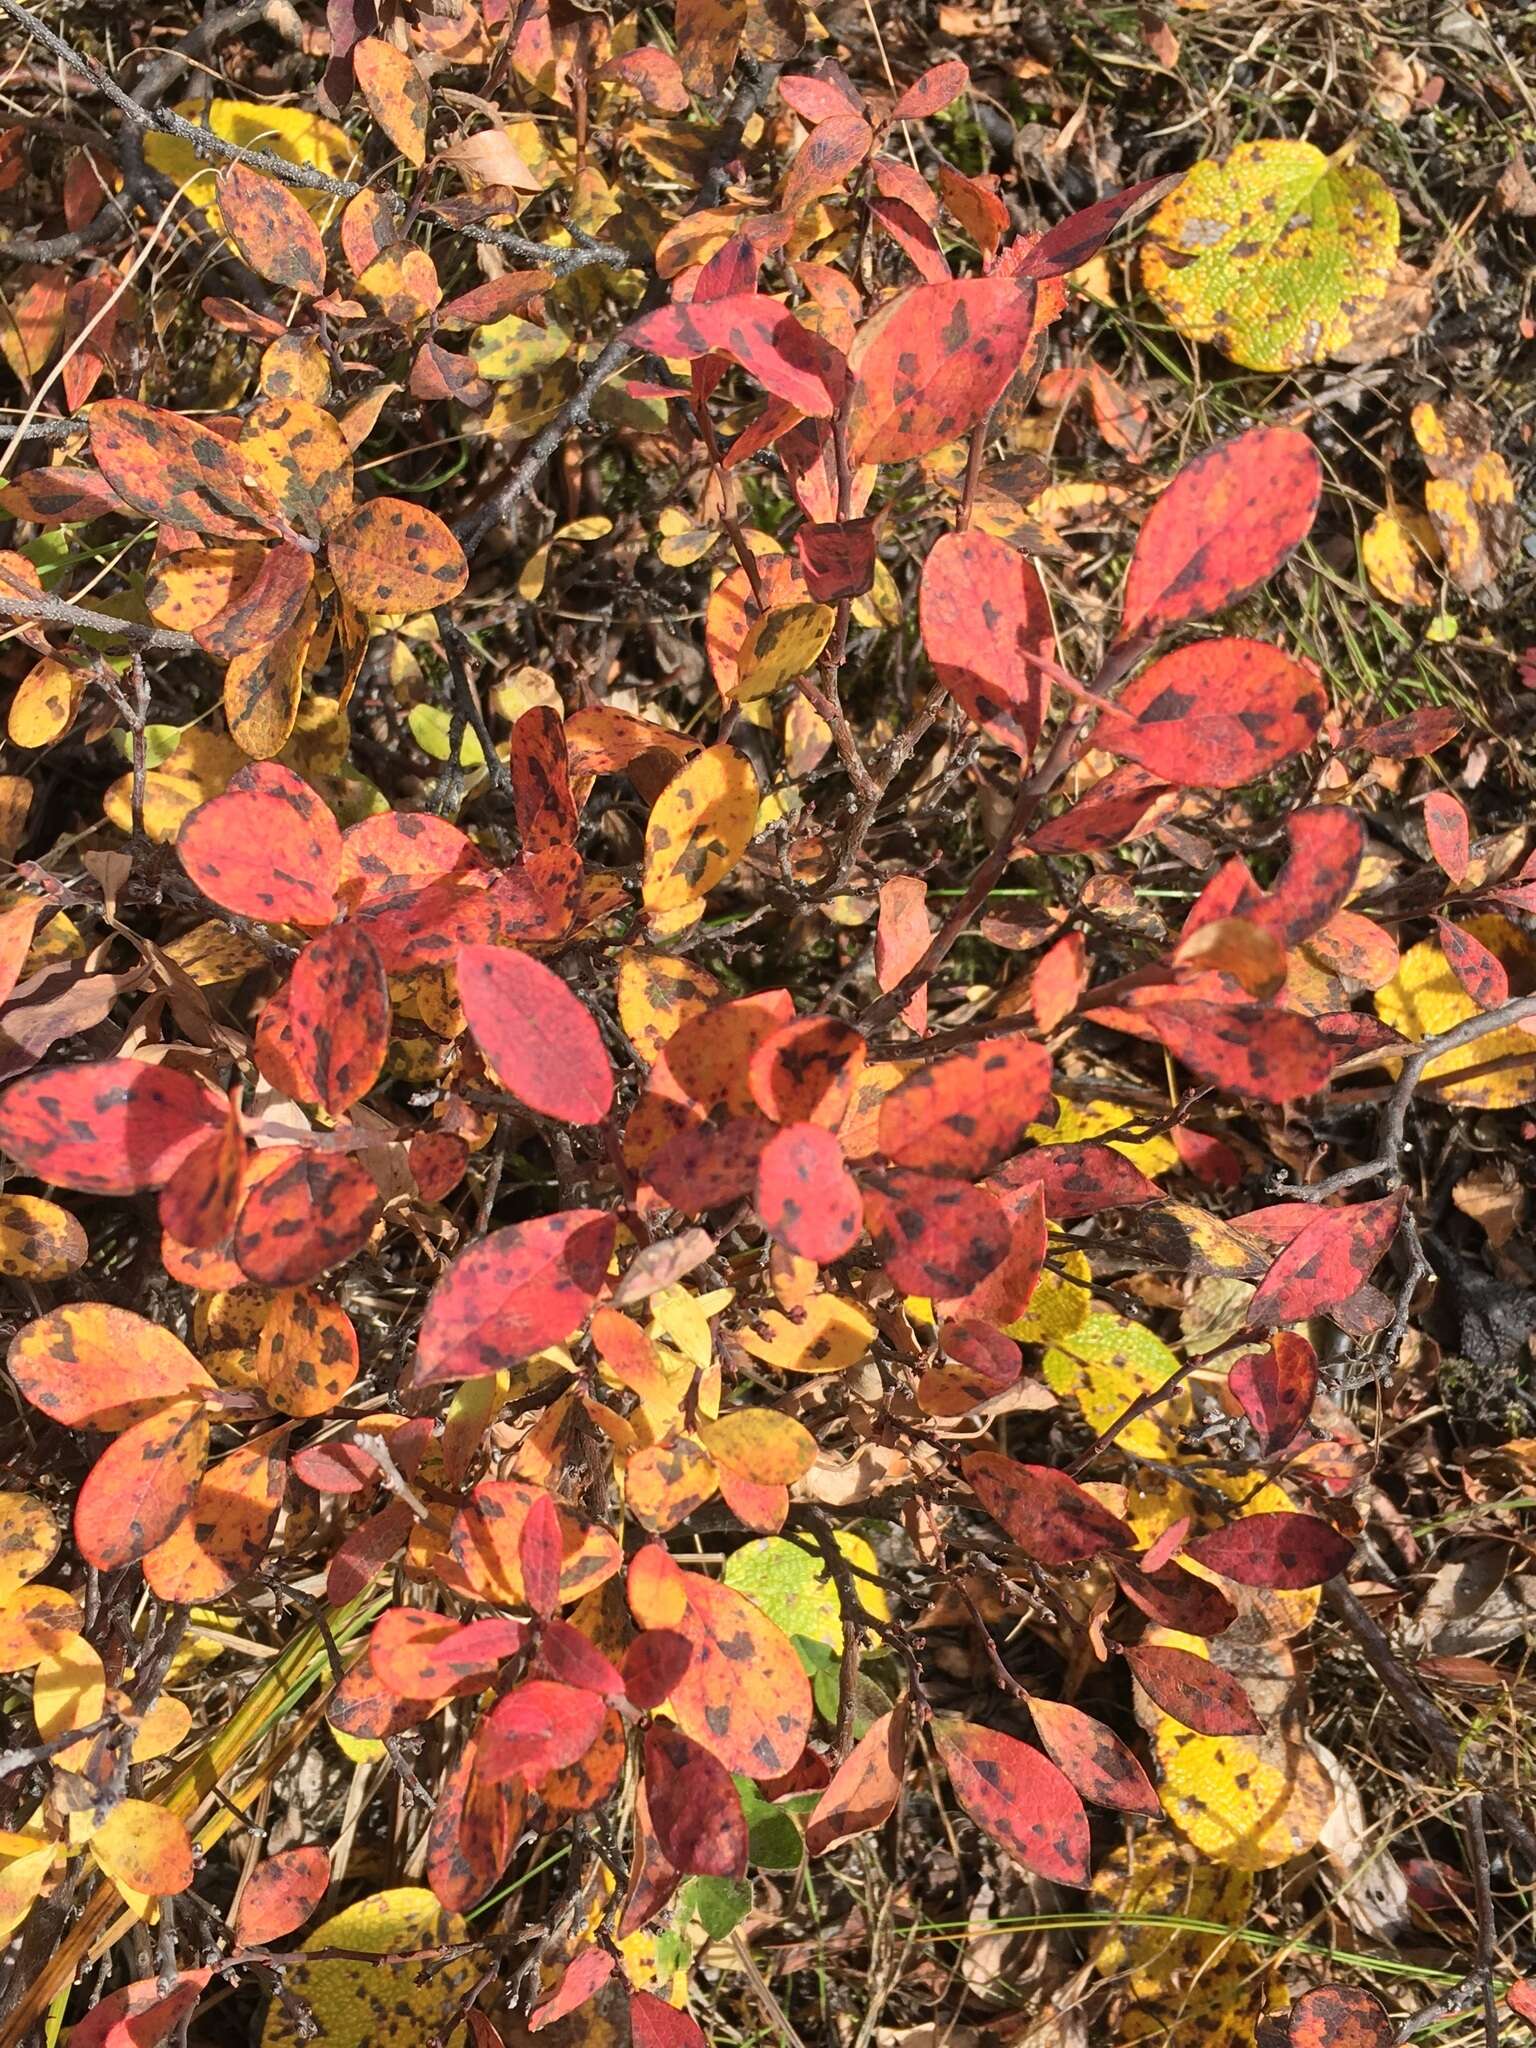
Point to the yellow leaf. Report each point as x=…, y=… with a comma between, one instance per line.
x=43, y=707
x=29, y=1536
x=506, y=349
x=144, y=1848
x=1275, y=253
x=699, y=827
x=369, y=2005
x=1157, y=1875
x=38, y=1239
x=286, y=132
x=199, y=766
x=1395, y=551
x=1060, y=1304
x=1077, y=1122
x=830, y=1336
x=780, y=645
x=69, y=1688
x=1424, y=998
x=658, y=993
x=21, y=1885
x=1253, y=1801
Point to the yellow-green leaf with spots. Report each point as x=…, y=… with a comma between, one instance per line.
x=1275, y=253
x=1104, y=1365
x=358, y=2004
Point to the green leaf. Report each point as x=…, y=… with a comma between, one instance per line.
x=721, y=1903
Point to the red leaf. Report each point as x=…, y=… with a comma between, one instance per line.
x=540, y=1039
x=967, y=1113
x=1222, y=527
x=539, y=761
x=821, y=93
x=933, y=91
x=200, y=1201
x=264, y=608
x=1069, y=244
x=538, y=1727
x=1416, y=734
x=695, y=1808
x=1217, y=714
x=1319, y=875
x=142, y=2015
x=1449, y=834
x=419, y=1655
x=934, y=1237
x=901, y=939
x=932, y=361
x=1193, y=1690
x=1002, y=1295
x=1059, y=978
x=1343, y=2016
x=473, y=1831
x=1175, y=1598
x=1326, y=1261
x=1048, y=1515
x=653, y=1664
x=1521, y=1999
x=834, y=148
x=806, y=1196
x=565, y=1653
x=762, y=336
x=1482, y=974
x=109, y=1128
x=1096, y=1761
x=1275, y=1390
x=539, y=1551
x=512, y=1293
x=585, y=1977
x=307, y=1211
x=1246, y=1049
x=983, y=1363
x=282, y=1893
x=655, y=2024
x=1079, y=1179
x=744, y=1695
x=1018, y=1797
x=267, y=848
x=838, y=559
x=706, y=1165
x=1283, y=1550
x=986, y=628
x=865, y=1787
x=338, y=1018
x=806, y=1072
x=175, y=470
x=142, y=1485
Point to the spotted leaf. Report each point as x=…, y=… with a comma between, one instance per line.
x=966, y=1114
x=267, y=848
x=1018, y=1797
x=513, y=1293
x=987, y=630
x=108, y=1128
x=1223, y=526
x=1050, y=1517
x=932, y=361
